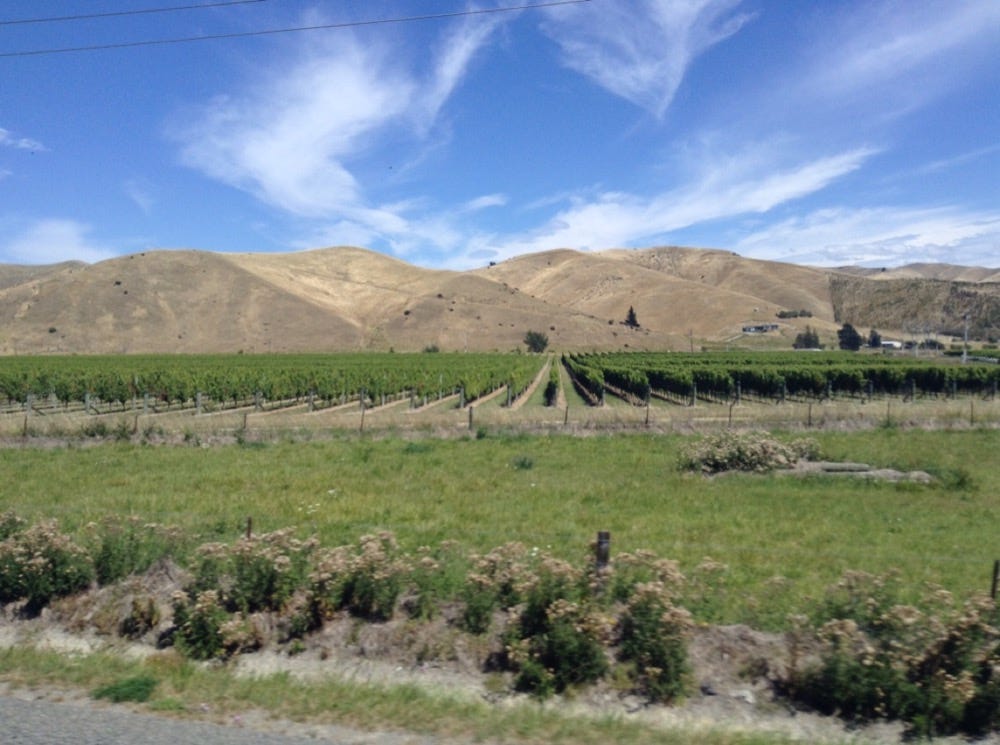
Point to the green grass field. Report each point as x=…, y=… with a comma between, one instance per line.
x=783, y=540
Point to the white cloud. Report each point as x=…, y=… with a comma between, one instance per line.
x=728, y=187
x=640, y=49
x=52, y=240
x=20, y=143
x=484, y=202
x=295, y=140
x=881, y=236
x=140, y=192
x=886, y=43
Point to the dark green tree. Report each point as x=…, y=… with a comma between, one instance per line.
x=807, y=339
x=874, y=339
x=849, y=338
x=630, y=318
x=536, y=341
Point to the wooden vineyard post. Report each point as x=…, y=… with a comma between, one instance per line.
x=566, y=415
x=996, y=578
x=197, y=403
x=249, y=528
x=471, y=408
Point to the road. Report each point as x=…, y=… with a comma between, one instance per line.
x=25, y=720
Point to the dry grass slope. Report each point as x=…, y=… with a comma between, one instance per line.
x=345, y=299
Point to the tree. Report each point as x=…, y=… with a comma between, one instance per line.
x=849, y=338
x=536, y=341
x=630, y=318
x=874, y=339
x=807, y=339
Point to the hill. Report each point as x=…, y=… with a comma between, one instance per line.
x=342, y=299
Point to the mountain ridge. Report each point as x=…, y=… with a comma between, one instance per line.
x=354, y=299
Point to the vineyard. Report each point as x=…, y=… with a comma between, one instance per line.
x=236, y=393
x=774, y=376
x=213, y=382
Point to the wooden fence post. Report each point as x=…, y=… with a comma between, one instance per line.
x=996, y=577
x=602, y=552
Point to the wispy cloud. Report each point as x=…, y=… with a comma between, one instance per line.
x=298, y=138
x=140, y=192
x=52, y=240
x=959, y=160
x=7, y=139
x=640, y=49
x=886, y=43
x=882, y=236
x=484, y=202
x=731, y=186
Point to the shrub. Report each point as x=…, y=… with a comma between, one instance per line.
x=653, y=640
x=367, y=582
x=121, y=547
x=39, y=564
x=198, y=625
x=750, y=451
x=10, y=524
x=496, y=580
x=254, y=574
x=935, y=669
x=558, y=639
x=536, y=341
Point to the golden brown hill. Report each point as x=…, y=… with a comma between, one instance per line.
x=345, y=299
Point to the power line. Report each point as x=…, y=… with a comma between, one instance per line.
x=295, y=29
x=113, y=14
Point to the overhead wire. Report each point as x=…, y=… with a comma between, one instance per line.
x=134, y=12
x=293, y=29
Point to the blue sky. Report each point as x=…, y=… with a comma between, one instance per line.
x=822, y=132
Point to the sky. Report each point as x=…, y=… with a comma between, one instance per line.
x=451, y=134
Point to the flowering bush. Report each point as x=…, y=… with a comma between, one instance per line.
x=367, y=582
x=654, y=640
x=748, y=451
x=938, y=671
x=560, y=633
x=39, y=563
x=254, y=574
